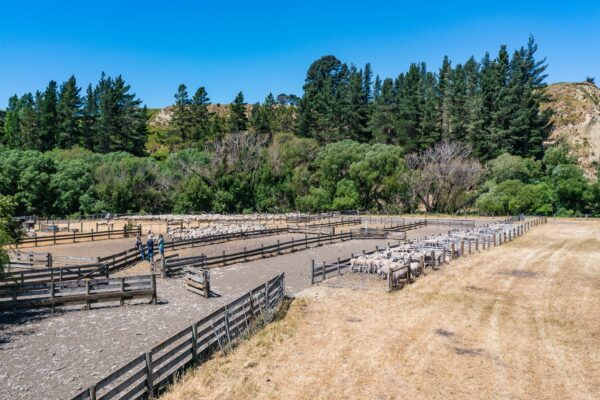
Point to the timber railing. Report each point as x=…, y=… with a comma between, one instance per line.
x=148, y=374
x=29, y=259
x=407, y=227
x=319, y=272
x=53, y=294
x=260, y=252
x=64, y=238
x=57, y=274
x=197, y=281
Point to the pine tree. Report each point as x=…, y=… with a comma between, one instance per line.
x=182, y=122
x=443, y=88
x=48, y=123
x=29, y=119
x=69, y=114
x=238, y=121
x=201, y=117
x=376, y=88
x=12, y=123
x=429, y=125
x=88, y=119
x=383, y=123
x=367, y=84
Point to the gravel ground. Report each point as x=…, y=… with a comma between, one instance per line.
x=44, y=356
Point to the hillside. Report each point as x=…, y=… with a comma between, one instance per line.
x=576, y=120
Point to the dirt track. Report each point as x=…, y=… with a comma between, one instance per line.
x=520, y=321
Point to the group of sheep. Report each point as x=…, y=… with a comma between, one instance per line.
x=211, y=230
x=431, y=251
x=222, y=218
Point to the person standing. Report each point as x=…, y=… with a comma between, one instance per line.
x=161, y=246
x=150, y=247
x=140, y=247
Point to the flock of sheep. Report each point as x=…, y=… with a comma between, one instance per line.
x=176, y=232
x=431, y=251
x=223, y=218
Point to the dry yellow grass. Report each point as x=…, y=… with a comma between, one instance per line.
x=521, y=321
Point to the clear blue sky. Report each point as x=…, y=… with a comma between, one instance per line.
x=265, y=46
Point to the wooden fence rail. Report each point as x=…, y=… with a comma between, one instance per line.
x=262, y=252
x=197, y=281
x=58, y=274
x=407, y=227
x=75, y=236
x=451, y=251
x=53, y=294
x=149, y=373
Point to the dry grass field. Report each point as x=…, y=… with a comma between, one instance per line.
x=521, y=321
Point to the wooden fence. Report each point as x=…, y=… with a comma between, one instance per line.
x=75, y=236
x=407, y=227
x=197, y=281
x=53, y=294
x=58, y=274
x=146, y=375
x=262, y=252
x=29, y=259
x=320, y=272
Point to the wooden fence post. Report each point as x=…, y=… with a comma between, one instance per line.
x=476, y=245
x=452, y=249
x=122, y=299
x=462, y=247
x=92, y=392
x=469, y=241
x=149, y=374
x=153, y=286
x=163, y=267
x=87, y=291
x=206, y=279
x=312, y=272
x=195, y=342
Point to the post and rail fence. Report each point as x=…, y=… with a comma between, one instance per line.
x=148, y=374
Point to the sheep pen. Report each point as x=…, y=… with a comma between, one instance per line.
x=519, y=321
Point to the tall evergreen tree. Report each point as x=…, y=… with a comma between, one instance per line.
x=383, y=123
x=48, y=122
x=201, y=117
x=182, y=123
x=12, y=123
x=88, y=119
x=238, y=121
x=69, y=114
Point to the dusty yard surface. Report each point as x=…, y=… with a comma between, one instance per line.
x=520, y=321
x=53, y=357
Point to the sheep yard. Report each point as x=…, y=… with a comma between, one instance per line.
x=519, y=321
x=55, y=356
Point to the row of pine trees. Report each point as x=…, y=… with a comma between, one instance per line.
x=107, y=118
x=492, y=104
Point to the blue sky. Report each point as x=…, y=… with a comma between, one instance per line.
x=259, y=47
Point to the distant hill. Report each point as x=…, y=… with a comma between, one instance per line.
x=576, y=120
x=160, y=118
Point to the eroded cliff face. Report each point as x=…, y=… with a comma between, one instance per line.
x=576, y=120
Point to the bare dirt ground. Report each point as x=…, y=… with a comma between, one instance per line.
x=53, y=357
x=520, y=321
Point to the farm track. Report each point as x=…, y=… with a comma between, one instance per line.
x=519, y=321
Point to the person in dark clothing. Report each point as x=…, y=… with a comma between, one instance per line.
x=150, y=247
x=161, y=246
x=140, y=247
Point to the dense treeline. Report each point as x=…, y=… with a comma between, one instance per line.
x=466, y=137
